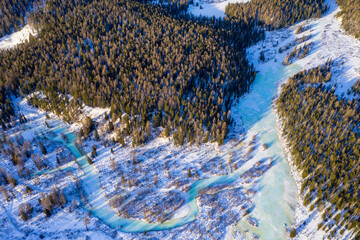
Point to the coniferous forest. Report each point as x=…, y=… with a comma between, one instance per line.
x=153, y=62
x=12, y=15
x=145, y=60
x=322, y=130
x=277, y=13
x=350, y=16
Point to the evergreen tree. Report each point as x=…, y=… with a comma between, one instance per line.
x=42, y=148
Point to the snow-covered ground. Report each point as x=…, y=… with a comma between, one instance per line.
x=14, y=39
x=270, y=200
x=65, y=223
x=332, y=42
x=220, y=206
x=208, y=8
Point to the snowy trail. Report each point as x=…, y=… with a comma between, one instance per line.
x=10, y=217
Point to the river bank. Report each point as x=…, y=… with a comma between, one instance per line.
x=331, y=42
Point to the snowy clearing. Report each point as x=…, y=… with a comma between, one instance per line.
x=16, y=38
x=332, y=42
x=211, y=8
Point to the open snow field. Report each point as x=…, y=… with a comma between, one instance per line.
x=14, y=39
x=214, y=8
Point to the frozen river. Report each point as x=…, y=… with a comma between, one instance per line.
x=275, y=200
x=276, y=192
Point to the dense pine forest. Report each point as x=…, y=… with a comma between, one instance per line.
x=149, y=61
x=276, y=13
x=350, y=16
x=322, y=130
x=153, y=62
x=12, y=15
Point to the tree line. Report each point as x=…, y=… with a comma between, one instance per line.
x=350, y=15
x=13, y=15
x=275, y=14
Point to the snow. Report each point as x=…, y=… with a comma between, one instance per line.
x=271, y=197
x=16, y=38
x=159, y=150
x=211, y=8
x=332, y=42
x=63, y=224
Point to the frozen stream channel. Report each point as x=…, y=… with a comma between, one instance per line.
x=275, y=200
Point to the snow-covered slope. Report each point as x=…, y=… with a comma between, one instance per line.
x=14, y=39
x=209, y=8
x=332, y=42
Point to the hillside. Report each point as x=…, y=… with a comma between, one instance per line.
x=350, y=16
x=321, y=128
x=276, y=13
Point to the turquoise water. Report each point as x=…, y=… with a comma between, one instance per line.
x=276, y=192
x=276, y=196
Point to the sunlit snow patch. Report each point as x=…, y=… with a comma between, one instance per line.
x=208, y=9
x=14, y=39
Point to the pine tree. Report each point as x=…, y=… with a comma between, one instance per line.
x=206, y=139
x=86, y=223
x=96, y=135
x=167, y=131
x=47, y=212
x=89, y=160
x=148, y=130
x=111, y=127
x=42, y=148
